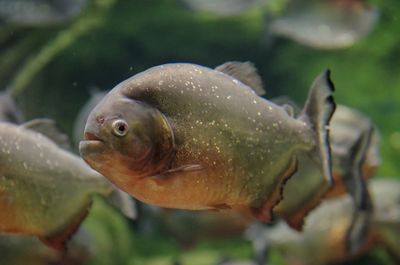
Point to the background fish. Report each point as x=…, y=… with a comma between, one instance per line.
x=8, y=109
x=189, y=227
x=326, y=24
x=22, y=250
x=355, y=158
x=223, y=7
x=45, y=191
x=323, y=240
x=39, y=12
x=174, y=136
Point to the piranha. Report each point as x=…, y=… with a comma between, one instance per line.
x=190, y=227
x=190, y=137
x=46, y=191
x=39, y=12
x=325, y=24
x=22, y=250
x=323, y=240
x=223, y=7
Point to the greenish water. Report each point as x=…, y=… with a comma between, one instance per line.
x=51, y=70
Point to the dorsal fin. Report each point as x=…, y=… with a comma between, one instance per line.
x=245, y=72
x=48, y=128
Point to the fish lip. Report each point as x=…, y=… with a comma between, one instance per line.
x=91, y=137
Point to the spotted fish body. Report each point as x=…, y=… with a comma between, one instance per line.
x=45, y=191
x=220, y=145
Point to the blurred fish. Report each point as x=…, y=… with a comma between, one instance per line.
x=223, y=7
x=229, y=261
x=8, y=109
x=45, y=191
x=79, y=126
x=39, y=12
x=22, y=250
x=190, y=137
x=323, y=240
x=355, y=157
x=386, y=197
x=325, y=24
x=190, y=226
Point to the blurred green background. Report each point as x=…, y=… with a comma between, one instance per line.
x=52, y=68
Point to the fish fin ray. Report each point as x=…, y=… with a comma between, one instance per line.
x=48, y=128
x=245, y=72
x=318, y=111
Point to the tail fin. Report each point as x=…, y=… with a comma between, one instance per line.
x=318, y=111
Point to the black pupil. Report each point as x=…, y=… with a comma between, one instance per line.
x=121, y=128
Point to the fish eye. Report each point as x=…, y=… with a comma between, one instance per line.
x=120, y=127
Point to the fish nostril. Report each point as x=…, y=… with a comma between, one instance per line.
x=90, y=136
x=100, y=120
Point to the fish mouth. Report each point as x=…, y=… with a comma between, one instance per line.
x=91, y=137
x=91, y=146
x=91, y=142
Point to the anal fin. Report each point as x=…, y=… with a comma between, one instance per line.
x=264, y=213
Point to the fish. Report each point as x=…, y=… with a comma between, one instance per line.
x=22, y=250
x=323, y=240
x=355, y=158
x=45, y=190
x=9, y=111
x=188, y=227
x=326, y=24
x=222, y=7
x=385, y=193
x=186, y=136
x=39, y=12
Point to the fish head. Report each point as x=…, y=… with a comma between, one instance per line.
x=126, y=138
